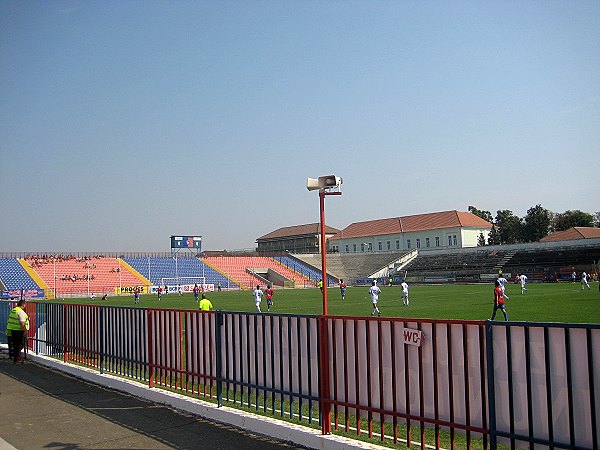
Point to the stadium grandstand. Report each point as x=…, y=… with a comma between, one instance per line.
x=81, y=274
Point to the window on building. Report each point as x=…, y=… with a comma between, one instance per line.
x=370, y=246
x=397, y=245
x=418, y=240
x=380, y=246
x=389, y=245
x=347, y=248
x=437, y=241
x=427, y=242
x=454, y=240
x=449, y=241
x=408, y=243
x=362, y=248
x=354, y=248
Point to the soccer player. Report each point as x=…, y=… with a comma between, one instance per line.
x=499, y=301
x=136, y=295
x=374, y=292
x=342, y=289
x=320, y=285
x=205, y=304
x=257, y=297
x=502, y=282
x=196, y=292
x=404, y=286
x=269, y=292
x=523, y=279
x=584, y=281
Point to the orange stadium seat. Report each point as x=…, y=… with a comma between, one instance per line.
x=69, y=275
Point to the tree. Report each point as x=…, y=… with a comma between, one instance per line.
x=570, y=219
x=597, y=215
x=485, y=215
x=481, y=240
x=508, y=226
x=494, y=236
x=536, y=224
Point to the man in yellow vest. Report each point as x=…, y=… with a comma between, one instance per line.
x=17, y=325
x=205, y=304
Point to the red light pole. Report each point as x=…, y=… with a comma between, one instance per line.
x=322, y=194
x=323, y=184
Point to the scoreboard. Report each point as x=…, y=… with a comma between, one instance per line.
x=186, y=242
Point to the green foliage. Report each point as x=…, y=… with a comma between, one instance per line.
x=536, y=224
x=480, y=240
x=485, y=215
x=570, y=219
x=508, y=226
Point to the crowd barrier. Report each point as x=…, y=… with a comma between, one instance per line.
x=403, y=380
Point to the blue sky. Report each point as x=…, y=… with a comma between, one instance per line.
x=123, y=122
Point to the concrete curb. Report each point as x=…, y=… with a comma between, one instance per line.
x=268, y=426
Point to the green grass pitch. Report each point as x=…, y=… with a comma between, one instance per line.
x=551, y=302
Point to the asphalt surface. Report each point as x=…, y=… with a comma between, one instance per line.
x=41, y=408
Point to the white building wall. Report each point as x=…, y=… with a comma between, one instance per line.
x=442, y=238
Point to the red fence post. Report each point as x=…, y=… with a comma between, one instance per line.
x=150, y=353
x=324, y=376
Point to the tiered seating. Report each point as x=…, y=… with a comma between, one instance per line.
x=561, y=261
x=456, y=263
x=157, y=268
x=297, y=265
x=13, y=276
x=351, y=265
x=237, y=267
x=70, y=275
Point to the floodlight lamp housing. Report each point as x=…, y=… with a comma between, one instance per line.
x=323, y=183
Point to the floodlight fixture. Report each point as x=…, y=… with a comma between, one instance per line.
x=324, y=182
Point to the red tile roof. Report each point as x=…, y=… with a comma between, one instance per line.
x=407, y=224
x=573, y=233
x=310, y=229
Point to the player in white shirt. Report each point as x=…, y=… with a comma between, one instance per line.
x=374, y=292
x=502, y=281
x=584, y=281
x=404, y=287
x=523, y=279
x=257, y=297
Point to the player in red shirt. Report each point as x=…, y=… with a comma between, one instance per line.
x=196, y=292
x=269, y=292
x=499, y=301
x=342, y=289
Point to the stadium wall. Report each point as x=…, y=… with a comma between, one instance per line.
x=519, y=384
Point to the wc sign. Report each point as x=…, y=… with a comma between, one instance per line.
x=412, y=337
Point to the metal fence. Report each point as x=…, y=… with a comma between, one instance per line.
x=408, y=381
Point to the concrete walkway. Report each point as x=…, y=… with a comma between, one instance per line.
x=44, y=408
x=46, y=404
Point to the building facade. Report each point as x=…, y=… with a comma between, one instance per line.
x=294, y=239
x=434, y=231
